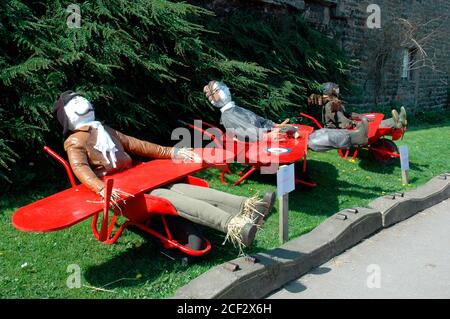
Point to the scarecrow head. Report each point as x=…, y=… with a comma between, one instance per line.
x=73, y=111
x=331, y=89
x=217, y=93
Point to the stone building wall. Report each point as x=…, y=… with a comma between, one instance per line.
x=377, y=54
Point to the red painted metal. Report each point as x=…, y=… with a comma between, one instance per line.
x=256, y=152
x=110, y=239
x=222, y=177
x=108, y=190
x=305, y=183
x=167, y=242
x=320, y=126
x=347, y=153
x=138, y=210
x=245, y=176
x=63, y=163
x=375, y=120
x=384, y=152
x=355, y=154
x=374, y=135
x=78, y=203
x=257, y=155
x=226, y=170
x=217, y=141
x=166, y=228
x=398, y=134
x=174, y=244
x=192, y=180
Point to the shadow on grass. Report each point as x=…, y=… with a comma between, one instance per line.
x=370, y=165
x=324, y=199
x=122, y=270
x=15, y=199
x=153, y=263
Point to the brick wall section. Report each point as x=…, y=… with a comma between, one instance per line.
x=380, y=83
x=375, y=83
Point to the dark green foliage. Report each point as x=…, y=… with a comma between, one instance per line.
x=144, y=63
x=298, y=57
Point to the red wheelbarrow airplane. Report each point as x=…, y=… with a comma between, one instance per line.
x=262, y=154
x=381, y=149
x=78, y=203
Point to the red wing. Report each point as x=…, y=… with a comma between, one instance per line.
x=74, y=205
x=375, y=120
x=284, y=152
x=58, y=211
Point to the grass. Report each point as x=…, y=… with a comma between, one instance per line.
x=35, y=265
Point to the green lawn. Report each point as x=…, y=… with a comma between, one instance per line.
x=34, y=265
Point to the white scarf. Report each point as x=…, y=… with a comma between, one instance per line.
x=228, y=106
x=104, y=142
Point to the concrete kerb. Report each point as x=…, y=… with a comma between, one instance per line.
x=256, y=276
x=400, y=206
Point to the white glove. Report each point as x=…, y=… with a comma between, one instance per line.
x=186, y=155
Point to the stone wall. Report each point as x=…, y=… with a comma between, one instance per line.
x=377, y=54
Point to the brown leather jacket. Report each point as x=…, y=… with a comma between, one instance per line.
x=88, y=164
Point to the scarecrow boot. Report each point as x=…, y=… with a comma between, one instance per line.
x=242, y=228
x=403, y=117
x=256, y=209
x=241, y=231
x=359, y=136
x=396, y=118
x=264, y=207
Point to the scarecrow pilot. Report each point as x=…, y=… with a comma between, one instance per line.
x=335, y=115
x=95, y=150
x=247, y=125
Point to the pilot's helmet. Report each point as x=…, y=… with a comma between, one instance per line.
x=331, y=89
x=217, y=93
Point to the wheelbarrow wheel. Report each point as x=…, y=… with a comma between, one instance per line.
x=186, y=233
x=381, y=150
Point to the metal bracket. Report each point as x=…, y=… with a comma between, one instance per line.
x=395, y=195
x=341, y=216
x=231, y=266
x=251, y=259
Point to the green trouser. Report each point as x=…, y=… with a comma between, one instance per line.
x=201, y=205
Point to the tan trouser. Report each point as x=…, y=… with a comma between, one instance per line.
x=201, y=205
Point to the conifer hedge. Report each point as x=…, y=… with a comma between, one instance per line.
x=144, y=63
